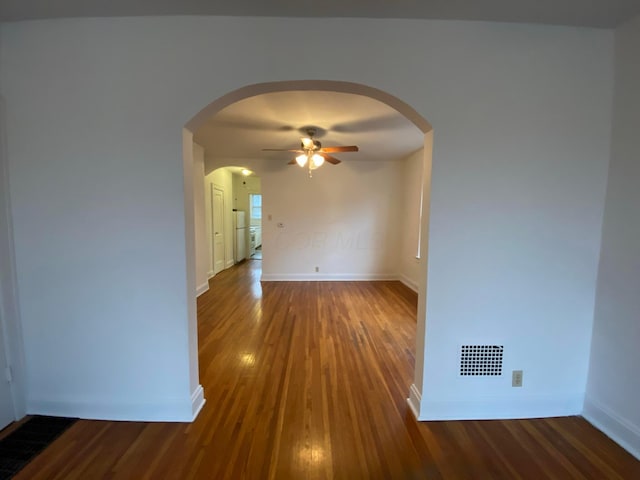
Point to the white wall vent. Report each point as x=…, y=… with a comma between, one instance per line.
x=483, y=360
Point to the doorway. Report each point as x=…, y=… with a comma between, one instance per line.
x=231, y=222
x=255, y=228
x=218, y=234
x=427, y=144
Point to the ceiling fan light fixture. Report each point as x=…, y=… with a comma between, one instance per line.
x=317, y=160
x=302, y=159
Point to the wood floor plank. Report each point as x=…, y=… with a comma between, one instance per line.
x=308, y=380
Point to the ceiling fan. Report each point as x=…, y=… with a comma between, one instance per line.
x=312, y=153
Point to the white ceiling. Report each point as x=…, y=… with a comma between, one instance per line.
x=595, y=13
x=277, y=120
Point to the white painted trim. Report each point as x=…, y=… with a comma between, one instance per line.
x=229, y=264
x=408, y=282
x=617, y=428
x=414, y=401
x=502, y=407
x=210, y=274
x=202, y=288
x=197, y=401
x=9, y=294
x=97, y=408
x=326, y=277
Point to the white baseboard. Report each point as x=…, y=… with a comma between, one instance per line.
x=163, y=410
x=210, y=274
x=202, y=288
x=230, y=264
x=326, y=277
x=501, y=407
x=617, y=428
x=409, y=283
x=197, y=401
x=414, y=401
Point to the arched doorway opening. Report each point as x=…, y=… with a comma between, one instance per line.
x=330, y=86
x=232, y=217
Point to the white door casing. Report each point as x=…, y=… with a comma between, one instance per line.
x=9, y=323
x=7, y=413
x=217, y=230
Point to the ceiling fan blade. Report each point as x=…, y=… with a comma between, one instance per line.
x=281, y=150
x=329, y=158
x=350, y=148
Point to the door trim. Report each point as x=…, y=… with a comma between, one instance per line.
x=215, y=187
x=9, y=298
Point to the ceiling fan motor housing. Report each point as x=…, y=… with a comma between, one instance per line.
x=312, y=145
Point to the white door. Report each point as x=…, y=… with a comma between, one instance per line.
x=7, y=414
x=218, y=229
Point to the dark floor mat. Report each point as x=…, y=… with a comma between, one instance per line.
x=18, y=448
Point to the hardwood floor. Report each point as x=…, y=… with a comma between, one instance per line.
x=309, y=381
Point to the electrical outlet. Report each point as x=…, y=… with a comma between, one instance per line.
x=317, y=269
x=516, y=378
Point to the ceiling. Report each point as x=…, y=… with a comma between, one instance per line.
x=594, y=13
x=277, y=120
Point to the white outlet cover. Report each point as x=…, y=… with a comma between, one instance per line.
x=516, y=378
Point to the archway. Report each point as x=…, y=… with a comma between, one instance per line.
x=330, y=86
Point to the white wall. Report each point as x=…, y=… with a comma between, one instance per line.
x=203, y=260
x=516, y=206
x=516, y=211
x=412, y=188
x=345, y=220
x=242, y=187
x=614, y=384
